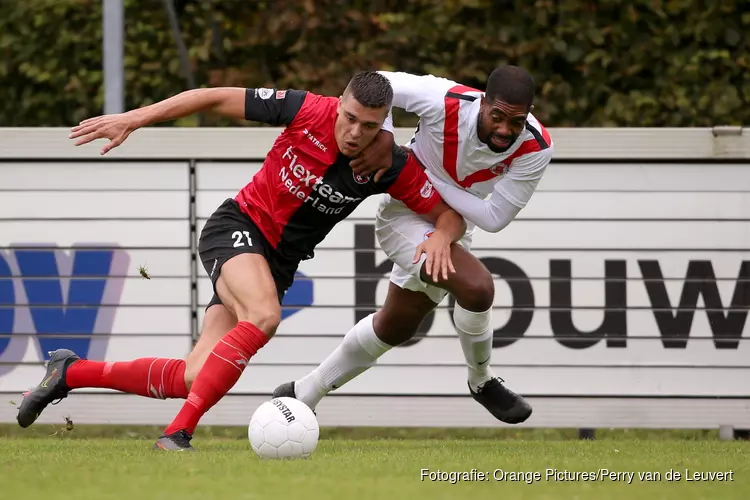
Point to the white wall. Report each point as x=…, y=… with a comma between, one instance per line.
x=644, y=205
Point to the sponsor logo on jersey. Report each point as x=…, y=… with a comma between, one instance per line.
x=307, y=186
x=315, y=140
x=280, y=94
x=426, y=190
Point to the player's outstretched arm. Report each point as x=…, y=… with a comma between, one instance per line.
x=226, y=101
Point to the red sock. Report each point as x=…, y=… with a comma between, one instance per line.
x=221, y=371
x=159, y=378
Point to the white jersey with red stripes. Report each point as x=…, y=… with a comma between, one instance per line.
x=447, y=144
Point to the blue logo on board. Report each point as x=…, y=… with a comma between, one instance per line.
x=67, y=298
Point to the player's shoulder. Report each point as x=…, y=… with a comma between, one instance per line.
x=318, y=101
x=534, y=148
x=316, y=108
x=534, y=130
x=534, y=145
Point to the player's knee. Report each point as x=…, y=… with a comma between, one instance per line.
x=266, y=318
x=393, y=331
x=399, y=336
x=267, y=321
x=477, y=294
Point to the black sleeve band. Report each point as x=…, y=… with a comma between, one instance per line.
x=272, y=106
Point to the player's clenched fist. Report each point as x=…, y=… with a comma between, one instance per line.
x=115, y=127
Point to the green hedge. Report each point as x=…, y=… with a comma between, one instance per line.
x=597, y=63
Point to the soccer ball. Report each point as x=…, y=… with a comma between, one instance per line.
x=283, y=428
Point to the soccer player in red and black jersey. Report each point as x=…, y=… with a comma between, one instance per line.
x=252, y=244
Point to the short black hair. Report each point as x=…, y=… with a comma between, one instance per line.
x=511, y=84
x=371, y=89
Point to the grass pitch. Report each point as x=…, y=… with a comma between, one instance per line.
x=116, y=462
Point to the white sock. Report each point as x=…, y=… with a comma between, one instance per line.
x=475, y=333
x=359, y=350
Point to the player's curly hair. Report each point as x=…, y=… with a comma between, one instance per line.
x=511, y=84
x=370, y=89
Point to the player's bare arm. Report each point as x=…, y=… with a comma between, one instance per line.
x=225, y=101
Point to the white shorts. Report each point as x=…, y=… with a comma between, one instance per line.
x=399, y=231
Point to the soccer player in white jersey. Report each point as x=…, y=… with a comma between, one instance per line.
x=485, y=153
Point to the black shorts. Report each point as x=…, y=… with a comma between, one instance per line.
x=229, y=232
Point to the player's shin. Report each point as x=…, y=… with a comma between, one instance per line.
x=475, y=333
x=359, y=350
x=221, y=371
x=159, y=378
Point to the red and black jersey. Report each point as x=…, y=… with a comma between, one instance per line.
x=306, y=186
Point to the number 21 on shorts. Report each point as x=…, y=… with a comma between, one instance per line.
x=237, y=237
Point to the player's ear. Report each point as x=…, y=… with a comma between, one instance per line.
x=531, y=108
